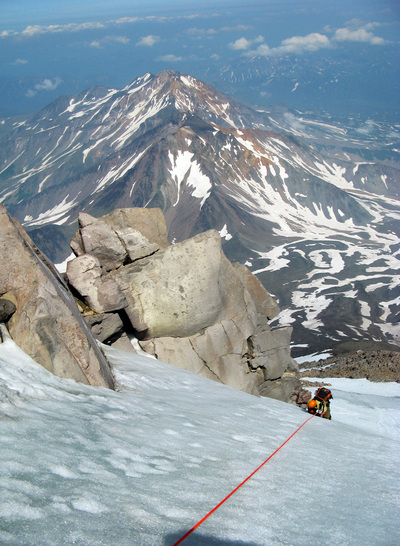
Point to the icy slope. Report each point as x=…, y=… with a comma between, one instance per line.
x=83, y=465
x=375, y=405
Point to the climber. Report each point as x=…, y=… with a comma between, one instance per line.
x=320, y=404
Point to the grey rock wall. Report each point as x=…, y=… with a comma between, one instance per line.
x=187, y=304
x=46, y=323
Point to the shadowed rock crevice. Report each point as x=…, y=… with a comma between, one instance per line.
x=212, y=375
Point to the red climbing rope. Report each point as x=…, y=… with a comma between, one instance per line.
x=239, y=486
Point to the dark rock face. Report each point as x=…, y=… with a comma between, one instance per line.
x=107, y=327
x=46, y=323
x=7, y=309
x=186, y=303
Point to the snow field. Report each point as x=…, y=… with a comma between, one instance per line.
x=376, y=405
x=332, y=275
x=184, y=169
x=143, y=465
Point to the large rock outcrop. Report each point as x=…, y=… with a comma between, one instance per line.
x=46, y=323
x=186, y=303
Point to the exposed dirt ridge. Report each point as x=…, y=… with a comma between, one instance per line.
x=378, y=366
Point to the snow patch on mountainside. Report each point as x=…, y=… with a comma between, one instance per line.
x=334, y=175
x=348, y=271
x=276, y=259
x=119, y=171
x=184, y=169
x=329, y=259
x=224, y=233
x=56, y=215
x=138, y=116
x=189, y=81
x=87, y=105
x=200, y=182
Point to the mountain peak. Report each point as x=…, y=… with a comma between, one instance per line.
x=190, y=95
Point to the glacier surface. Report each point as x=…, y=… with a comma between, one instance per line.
x=89, y=466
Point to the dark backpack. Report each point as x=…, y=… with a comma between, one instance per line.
x=323, y=394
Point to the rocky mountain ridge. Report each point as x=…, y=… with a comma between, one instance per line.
x=42, y=317
x=378, y=365
x=318, y=224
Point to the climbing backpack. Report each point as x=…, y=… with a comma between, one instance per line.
x=323, y=394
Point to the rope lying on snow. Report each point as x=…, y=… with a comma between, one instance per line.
x=239, y=486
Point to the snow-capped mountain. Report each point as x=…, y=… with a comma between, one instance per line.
x=308, y=205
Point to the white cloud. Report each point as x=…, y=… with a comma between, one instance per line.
x=296, y=45
x=293, y=121
x=123, y=20
x=242, y=28
x=354, y=24
x=7, y=33
x=199, y=32
x=108, y=40
x=44, y=85
x=299, y=44
x=263, y=50
x=357, y=35
x=367, y=128
x=169, y=58
x=48, y=85
x=20, y=61
x=121, y=39
x=370, y=26
x=241, y=43
x=355, y=31
x=245, y=44
x=153, y=19
x=148, y=41
x=33, y=30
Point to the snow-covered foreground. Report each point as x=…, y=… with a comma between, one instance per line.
x=87, y=466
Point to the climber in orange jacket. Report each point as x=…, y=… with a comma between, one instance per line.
x=320, y=404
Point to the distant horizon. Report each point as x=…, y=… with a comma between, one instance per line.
x=309, y=54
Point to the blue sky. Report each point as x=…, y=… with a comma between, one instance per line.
x=54, y=47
